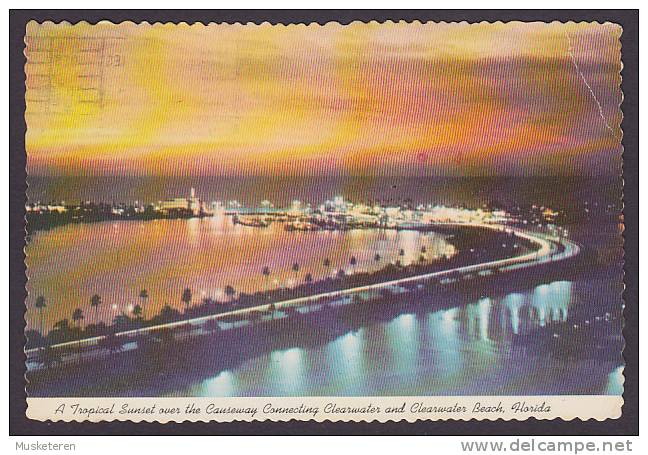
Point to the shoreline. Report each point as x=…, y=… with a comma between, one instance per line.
x=32, y=226
x=109, y=340
x=199, y=357
x=460, y=239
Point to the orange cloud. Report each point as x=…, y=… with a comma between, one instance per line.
x=392, y=98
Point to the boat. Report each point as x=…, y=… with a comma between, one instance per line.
x=249, y=221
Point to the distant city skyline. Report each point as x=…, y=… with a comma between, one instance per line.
x=363, y=99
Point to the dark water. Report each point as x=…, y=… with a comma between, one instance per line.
x=465, y=346
x=470, y=349
x=454, y=345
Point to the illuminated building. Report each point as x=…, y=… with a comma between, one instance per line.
x=191, y=204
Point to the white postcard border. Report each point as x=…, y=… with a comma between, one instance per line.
x=320, y=409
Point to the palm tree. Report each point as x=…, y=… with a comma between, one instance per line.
x=401, y=252
x=137, y=312
x=327, y=265
x=308, y=278
x=295, y=269
x=377, y=257
x=77, y=316
x=353, y=263
x=266, y=274
x=40, y=305
x=186, y=297
x=143, y=295
x=230, y=292
x=423, y=249
x=95, y=301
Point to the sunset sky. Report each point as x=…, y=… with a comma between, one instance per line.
x=362, y=99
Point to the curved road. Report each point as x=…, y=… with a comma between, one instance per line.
x=548, y=252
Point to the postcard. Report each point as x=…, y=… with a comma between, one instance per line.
x=377, y=221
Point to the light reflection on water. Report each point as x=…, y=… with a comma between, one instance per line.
x=403, y=339
x=224, y=384
x=349, y=374
x=514, y=303
x=615, y=382
x=443, y=330
x=116, y=260
x=463, y=350
x=286, y=371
